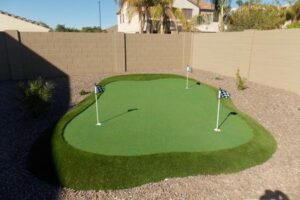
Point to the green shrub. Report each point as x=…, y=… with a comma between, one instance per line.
x=217, y=77
x=36, y=95
x=294, y=25
x=261, y=17
x=290, y=14
x=240, y=83
x=296, y=9
x=83, y=92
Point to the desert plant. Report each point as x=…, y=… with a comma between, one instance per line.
x=217, y=77
x=240, y=82
x=83, y=92
x=294, y=25
x=36, y=95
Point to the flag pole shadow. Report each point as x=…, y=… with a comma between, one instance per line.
x=226, y=118
x=197, y=83
x=120, y=115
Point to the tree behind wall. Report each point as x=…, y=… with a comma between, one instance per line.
x=154, y=14
x=258, y=16
x=222, y=7
x=63, y=28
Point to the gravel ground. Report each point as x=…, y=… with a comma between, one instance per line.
x=277, y=110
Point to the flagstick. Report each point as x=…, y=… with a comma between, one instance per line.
x=187, y=80
x=98, y=123
x=218, y=113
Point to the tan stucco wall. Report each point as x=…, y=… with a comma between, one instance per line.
x=11, y=23
x=268, y=57
x=155, y=51
x=275, y=59
x=75, y=53
x=222, y=52
x=4, y=66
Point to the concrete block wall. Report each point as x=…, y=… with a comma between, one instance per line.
x=222, y=53
x=154, y=52
x=267, y=57
x=275, y=59
x=73, y=53
x=4, y=66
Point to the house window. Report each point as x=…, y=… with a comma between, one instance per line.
x=187, y=13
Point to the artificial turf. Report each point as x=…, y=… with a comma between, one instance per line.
x=69, y=166
x=157, y=116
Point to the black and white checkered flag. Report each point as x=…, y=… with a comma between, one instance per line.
x=223, y=94
x=99, y=89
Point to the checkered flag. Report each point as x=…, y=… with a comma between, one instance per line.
x=223, y=94
x=99, y=89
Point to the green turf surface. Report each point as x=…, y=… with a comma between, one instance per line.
x=55, y=159
x=163, y=117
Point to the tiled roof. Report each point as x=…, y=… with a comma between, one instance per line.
x=203, y=5
x=23, y=19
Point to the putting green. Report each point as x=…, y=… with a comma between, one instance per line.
x=156, y=116
x=152, y=129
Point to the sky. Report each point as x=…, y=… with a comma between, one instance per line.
x=71, y=13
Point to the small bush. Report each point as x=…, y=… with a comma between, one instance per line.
x=240, y=83
x=294, y=25
x=290, y=14
x=218, y=78
x=83, y=92
x=36, y=96
x=296, y=9
x=261, y=17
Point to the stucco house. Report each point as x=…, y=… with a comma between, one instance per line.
x=188, y=7
x=12, y=22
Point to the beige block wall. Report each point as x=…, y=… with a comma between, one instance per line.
x=154, y=52
x=267, y=57
x=4, y=66
x=276, y=59
x=14, y=54
x=222, y=53
x=72, y=53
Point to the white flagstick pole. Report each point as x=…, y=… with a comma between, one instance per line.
x=217, y=124
x=97, y=114
x=187, y=79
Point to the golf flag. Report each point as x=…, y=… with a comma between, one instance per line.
x=188, y=70
x=222, y=94
x=98, y=90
